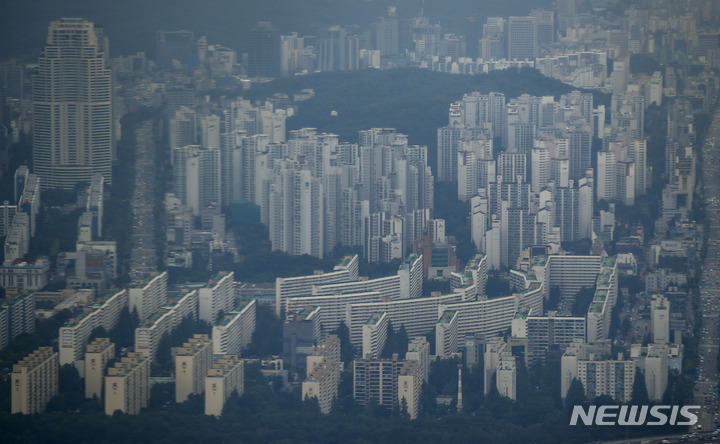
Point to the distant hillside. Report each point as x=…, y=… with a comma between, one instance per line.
x=131, y=24
x=415, y=101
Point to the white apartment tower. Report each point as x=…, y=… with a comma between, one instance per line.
x=73, y=106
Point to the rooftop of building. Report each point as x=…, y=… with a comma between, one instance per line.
x=375, y=318
x=447, y=316
x=222, y=366
x=91, y=307
x=33, y=359
x=141, y=283
x=98, y=344
x=12, y=299
x=522, y=313
x=345, y=261
x=39, y=262
x=232, y=314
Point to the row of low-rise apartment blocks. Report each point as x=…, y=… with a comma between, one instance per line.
x=34, y=381
x=226, y=376
x=151, y=330
x=127, y=385
x=103, y=312
x=323, y=373
x=345, y=271
x=234, y=332
x=17, y=316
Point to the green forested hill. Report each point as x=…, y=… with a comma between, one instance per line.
x=414, y=101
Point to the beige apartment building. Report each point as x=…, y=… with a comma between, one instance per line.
x=224, y=377
x=192, y=362
x=35, y=381
x=97, y=355
x=127, y=385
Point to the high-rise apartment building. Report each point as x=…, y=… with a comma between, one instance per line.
x=323, y=373
x=226, y=376
x=34, y=381
x=17, y=316
x=192, y=362
x=127, y=385
x=73, y=135
x=97, y=355
x=388, y=382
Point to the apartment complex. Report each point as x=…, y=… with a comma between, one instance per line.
x=345, y=271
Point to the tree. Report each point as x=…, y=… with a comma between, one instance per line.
x=583, y=299
x=575, y=394
x=639, y=391
x=267, y=338
x=347, y=350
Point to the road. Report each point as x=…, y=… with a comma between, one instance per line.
x=706, y=384
x=143, y=259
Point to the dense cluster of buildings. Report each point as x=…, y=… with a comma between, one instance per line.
x=537, y=171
